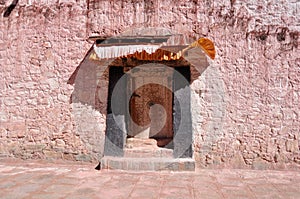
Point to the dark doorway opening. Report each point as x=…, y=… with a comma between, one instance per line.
x=176, y=135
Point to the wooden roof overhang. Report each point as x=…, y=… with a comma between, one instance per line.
x=151, y=48
x=165, y=49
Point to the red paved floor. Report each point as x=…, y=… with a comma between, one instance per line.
x=44, y=179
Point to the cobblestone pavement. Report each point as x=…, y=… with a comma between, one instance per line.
x=44, y=179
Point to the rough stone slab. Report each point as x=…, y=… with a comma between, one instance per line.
x=147, y=164
x=142, y=153
x=141, y=142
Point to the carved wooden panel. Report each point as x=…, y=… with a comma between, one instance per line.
x=151, y=103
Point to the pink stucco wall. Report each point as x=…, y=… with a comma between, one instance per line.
x=247, y=102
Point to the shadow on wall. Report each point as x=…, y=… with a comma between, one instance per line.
x=91, y=77
x=89, y=113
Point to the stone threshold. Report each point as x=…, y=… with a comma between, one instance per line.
x=147, y=164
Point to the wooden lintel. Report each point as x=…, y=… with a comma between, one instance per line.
x=132, y=62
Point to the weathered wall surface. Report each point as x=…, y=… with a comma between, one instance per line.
x=246, y=103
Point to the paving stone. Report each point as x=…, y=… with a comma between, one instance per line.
x=42, y=195
x=205, y=186
x=227, y=181
x=44, y=179
x=175, y=192
x=288, y=187
x=208, y=194
x=60, y=188
x=147, y=180
x=6, y=185
x=236, y=192
x=265, y=191
x=183, y=181
x=13, y=195
x=67, y=181
x=149, y=192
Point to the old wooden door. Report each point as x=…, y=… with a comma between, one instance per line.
x=150, y=104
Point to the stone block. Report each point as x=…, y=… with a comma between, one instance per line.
x=189, y=166
x=83, y=158
x=60, y=143
x=53, y=83
x=21, y=134
x=3, y=133
x=271, y=146
x=16, y=129
x=15, y=149
x=142, y=153
x=34, y=147
x=292, y=145
x=283, y=157
x=63, y=98
x=114, y=164
x=297, y=160
x=141, y=143
x=260, y=164
x=52, y=154
x=3, y=149
x=3, y=116
x=47, y=44
x=147, y=164
x=132, y=164
x=171, y=166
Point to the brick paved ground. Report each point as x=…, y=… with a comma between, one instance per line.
x=44, y=179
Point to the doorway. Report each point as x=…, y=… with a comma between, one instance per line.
x=158, y=103
x=151, y=104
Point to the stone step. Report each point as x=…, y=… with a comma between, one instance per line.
x=141, y=142
x=148, y=152
x=147, y=164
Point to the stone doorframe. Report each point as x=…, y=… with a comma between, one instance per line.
x=116, y=127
